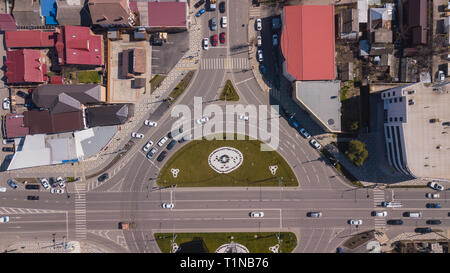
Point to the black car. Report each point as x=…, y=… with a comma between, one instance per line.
x=395, y=222
x=8, y=149
x=161, y=156
x=171, y=144
x=434, y=222
x=32, y=197
x=433, y=205
x=423, y=230
x=181, y=140
x=199, y=3
x=32, y=187
x=103, y=177
x=52, y=182
x=22, y=94
x=222, y=7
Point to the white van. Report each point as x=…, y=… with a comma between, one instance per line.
x=391, y=204
x=413, y=214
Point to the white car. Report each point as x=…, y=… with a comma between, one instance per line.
x=432, y=195
x=260, y=56
x=314, y=143
x=379, y=213
x=162, y=141
x=304, y=133
x=202, y=120
x=224, y=22
x=259, y=41
x=147, y=146
x=58, y=191
x=435, y=186
x=150, y=123
x=205, y=43
x=2, y=189
x=275, y=39
x=243, y=117
x=355, y=222
x=45, y=183
x=4, y=219
x=441, y=75
x=6, y=103
x=258, y=24
x=60, y=182
x=152, y=152
x=137, y=135
x=257, y=214
x=7, y=141
x=167, y=205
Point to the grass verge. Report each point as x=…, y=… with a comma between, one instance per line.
x=155, y=82
x=255, y=242
x=176, y=92
x=88, y=76
x=253, y=172
x=229, y=93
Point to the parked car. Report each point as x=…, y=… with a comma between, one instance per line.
x=433, y=205
x=147, y=146
x=8, y=149
x=214, y=40
x=61, y=182
x=152, y=152
x=150, y=123
x=441, y=76
x=213, y=24
x=205, y=43
x=103, y=177
x=32, y=197
x=379, y=213
x=52, y=182
x=168, y=205
x=222, y=7
x=12, y=184
x=7, y=141
x=181, y=140
x=256, y=214
x=137, y=135
x=202, y=120
x=243, y=117
x=304, y=133
x=275, y=39
x=162, y=141
x=224, y=21
x=432, y=195
x=199, y=3
x=161, y=156
x=355, y=222
x=260, y=56
x=222, y=37
x=32, y=187
x=395, y=222
x=317, y=214
x=258, y=24
x=171, y=144
x=200, y=12
x=423, y=230
x=4, y=219
x=435, y=186
x=45, y=183
x=314, y=143
x=262, y=69
x=433, y=222
x=57, y=191
x=2, y=189
x=6, y=104
x=259, y=39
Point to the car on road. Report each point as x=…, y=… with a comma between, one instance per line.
x=103, y=177
x=32, y=197
x=432, y=195
x=32, y=187
x=433, y=205
x=314, y=143
x=224, y=21
x=8, y=149
x=199, y=13
x=12, y=184
x=162, y=141
x=222, y=7
x=256, y=214
x=60, y=182
x=57, y=191
x=243, y=117
x=6, y=104
x=2, y=189
x=147, y=146
x=391, y=204
x=262, y=69
x=379, y=213
x=314, y=214
x=171, y=144
x=423, y=230
x=258, y=24
x=355, y=222
x=304, y=133
x=168, y=205
x=214, y=40
x=4, y=219
x=222, y=37
x=199, y=3
x=45, y=183
x=202, y=120
x=213, y=24
x=275, y=39
x=161, y=156
x=394, y=222
x=137, y=135
x=150, y=123
x=435, y=186
x=441, y=75
x=260, y=56
x=7, y=141
x=205, y=43
x=433, y=222
x=259, y=39
x=152, y=152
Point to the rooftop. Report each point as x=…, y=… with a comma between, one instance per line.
x=110, y=12
x=69, y=12
x=24, y=65
x=167, y=14
x=7, y=22
x=29, y=39
x=27, y=13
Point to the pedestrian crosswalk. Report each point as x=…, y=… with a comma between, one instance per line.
x=378, y=197
x=80, y=210
x=224, y=63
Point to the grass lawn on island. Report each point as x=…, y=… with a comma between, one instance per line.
x=211, y=241
x=192, y=161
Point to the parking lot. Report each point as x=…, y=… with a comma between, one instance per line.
x=166, y=56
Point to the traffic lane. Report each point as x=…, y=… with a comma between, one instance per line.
x=238, y=15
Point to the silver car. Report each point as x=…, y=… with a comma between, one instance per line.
x=316, y=214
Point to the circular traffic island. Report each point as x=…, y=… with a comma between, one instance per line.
x=225, y=163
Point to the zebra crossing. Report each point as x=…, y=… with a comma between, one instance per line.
x=378, y=197
x=7, y=211
x=224, y=63
x=80, y=210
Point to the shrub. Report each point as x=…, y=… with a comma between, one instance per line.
x=357, y=152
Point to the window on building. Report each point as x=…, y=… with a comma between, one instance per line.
x=395, y=119
x=393, y=93
x=401, y=118
x=390, y=119
x=395, y=100
x=400, y=99
x=390, y=100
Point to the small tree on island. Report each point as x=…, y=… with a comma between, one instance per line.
x=357, y=152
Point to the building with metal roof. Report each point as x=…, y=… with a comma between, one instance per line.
x=110, y=114
x=108, y=13
x=28, y=13
x=416, y=12
x=25, y=66
x=70, y=12
x=29, y=39
x=169, y=16
x=7, y=22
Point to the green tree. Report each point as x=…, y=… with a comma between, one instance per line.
x=357, y=152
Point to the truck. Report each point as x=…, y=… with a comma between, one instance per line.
x=212, y=4
x=127, y=225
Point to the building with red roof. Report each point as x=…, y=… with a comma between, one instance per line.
x=7, y=22
x=25, y=66
x=166, y=16
x=307, y=42
x=78, y=45
x=29, y=39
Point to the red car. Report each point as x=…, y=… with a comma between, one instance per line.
x=214, y=40
x=222, y=37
